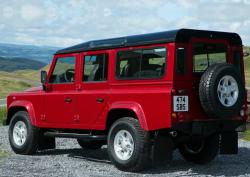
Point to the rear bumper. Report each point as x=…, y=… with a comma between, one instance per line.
x=208, y=127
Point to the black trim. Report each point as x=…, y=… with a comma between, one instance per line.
x=207, y=127
x=76, y=135
x=180, y=36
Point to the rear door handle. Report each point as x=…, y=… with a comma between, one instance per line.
x=100, y=100
x=68, y=100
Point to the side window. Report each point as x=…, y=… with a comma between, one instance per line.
x=141, y=64
x=64, y=71
x=95, y=68
x=180, y=60
x=237, y=59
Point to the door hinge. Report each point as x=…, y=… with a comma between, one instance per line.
x=43, y=117
x=77, y=118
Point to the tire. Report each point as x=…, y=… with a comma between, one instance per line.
x=200, y=151
x=90, y=144
x=20, y=123
x=139, y=157
x=221, y=91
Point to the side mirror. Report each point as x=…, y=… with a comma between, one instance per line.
x=43, y=77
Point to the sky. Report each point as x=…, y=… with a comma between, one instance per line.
x=64, y=23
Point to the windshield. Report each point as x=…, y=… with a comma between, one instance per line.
x=205, y=55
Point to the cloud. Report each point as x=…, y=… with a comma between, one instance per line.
x=31, y=12
x=64, y=23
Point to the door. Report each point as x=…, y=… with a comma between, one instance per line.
x=60, y=102
x=92, y=98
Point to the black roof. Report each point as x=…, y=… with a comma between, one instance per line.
x=180, y=35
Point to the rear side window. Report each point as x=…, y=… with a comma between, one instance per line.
x=141, y=64
x=237, y=59
x=180, y=60
x=95, y=68
x=205, y=55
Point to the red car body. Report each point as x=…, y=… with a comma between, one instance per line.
x=151, y=100
x=187, y=87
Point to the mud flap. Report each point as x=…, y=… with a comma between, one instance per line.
x=46, y=143
x=229, y=143
x=162, y=150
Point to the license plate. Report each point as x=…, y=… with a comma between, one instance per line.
x=180, y=103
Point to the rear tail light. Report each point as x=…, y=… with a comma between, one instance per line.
x=174, y=116
x=181, y=115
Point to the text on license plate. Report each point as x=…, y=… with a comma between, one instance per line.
x=180, y=103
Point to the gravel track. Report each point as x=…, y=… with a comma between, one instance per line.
x=68, y=160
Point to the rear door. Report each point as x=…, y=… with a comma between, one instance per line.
x=191, y=61
x=92, y=96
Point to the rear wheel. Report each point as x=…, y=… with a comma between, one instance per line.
x=90, y=144
x=23, y=136
x=129, y=145
x=200, y=151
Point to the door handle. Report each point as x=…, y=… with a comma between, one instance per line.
x=100, y=100
x=68, y=100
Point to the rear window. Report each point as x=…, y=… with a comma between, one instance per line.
x=205, y=55
x=141, y=64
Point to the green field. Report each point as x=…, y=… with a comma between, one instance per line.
x=2, y=115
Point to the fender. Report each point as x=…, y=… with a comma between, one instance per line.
x=28, y=106
x=135, y=107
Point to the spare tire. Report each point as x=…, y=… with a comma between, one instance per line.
x=221, y=91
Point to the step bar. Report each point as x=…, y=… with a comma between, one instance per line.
x=76, y=135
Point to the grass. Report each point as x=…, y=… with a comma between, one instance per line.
x=3, y=154
x=246, y=135
x=2, y=115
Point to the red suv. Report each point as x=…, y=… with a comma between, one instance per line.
x=142, y=95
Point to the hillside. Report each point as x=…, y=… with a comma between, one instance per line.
x=39, y=53
x=18, y=80
x=14, y=64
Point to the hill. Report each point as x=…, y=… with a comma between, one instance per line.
x=18, y=80
x=14, y=64
x=43, y=54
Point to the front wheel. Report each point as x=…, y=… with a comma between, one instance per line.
x=129, y=145
x=200, y=151
x=23, y=137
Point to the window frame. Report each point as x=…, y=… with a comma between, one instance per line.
x=184, y=60
x=53, y=68
x=143, y=78
x=207, y=41
x=82, y=58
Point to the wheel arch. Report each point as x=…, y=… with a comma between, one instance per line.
x=126, y=109
x=21, y=106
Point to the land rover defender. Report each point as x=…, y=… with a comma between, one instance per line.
x=143, y=95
